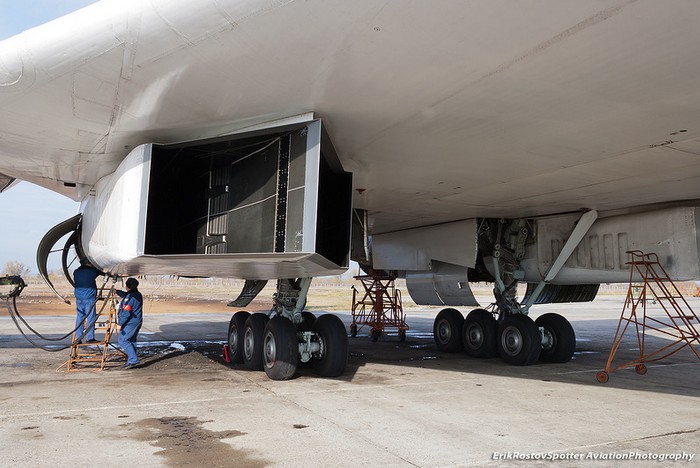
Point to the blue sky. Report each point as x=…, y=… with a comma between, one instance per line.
x=26, y=210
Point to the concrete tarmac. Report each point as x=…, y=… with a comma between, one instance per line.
x=397, y=405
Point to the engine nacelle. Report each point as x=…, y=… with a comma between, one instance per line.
x=267, y=204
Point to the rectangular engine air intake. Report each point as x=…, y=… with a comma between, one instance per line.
x=267, y=195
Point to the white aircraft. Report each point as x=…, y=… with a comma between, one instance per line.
x=463, y=140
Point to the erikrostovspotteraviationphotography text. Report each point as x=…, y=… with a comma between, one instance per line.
x=603, y=456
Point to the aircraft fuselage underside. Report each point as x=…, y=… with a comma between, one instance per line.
x=275, y=203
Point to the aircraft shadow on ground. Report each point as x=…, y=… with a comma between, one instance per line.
x=676, y=374
x=594, y=339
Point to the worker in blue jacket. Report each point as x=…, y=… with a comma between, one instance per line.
x=85, y=300
x=130, y=320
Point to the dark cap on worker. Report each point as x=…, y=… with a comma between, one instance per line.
x=132, y=283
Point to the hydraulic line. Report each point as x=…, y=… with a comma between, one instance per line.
x=90, y=325
x=14, y=314
x=32, y=342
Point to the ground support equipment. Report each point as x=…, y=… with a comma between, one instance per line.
x=379, y=306
x=653, y=303
x=96, y=356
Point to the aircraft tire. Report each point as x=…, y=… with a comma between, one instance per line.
x=280, y=349
x=236, y=332
x=447, y=330
x=334, y=339
x=253, y=341
x=479, y=334
x=560, y=339
x=519, y=340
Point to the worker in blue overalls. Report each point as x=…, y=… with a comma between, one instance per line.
x=85, y=299
x=130, y=320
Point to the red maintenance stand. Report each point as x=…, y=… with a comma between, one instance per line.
x=379, y=306
x=653, y=303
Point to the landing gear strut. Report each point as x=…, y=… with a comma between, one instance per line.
x=289, y=336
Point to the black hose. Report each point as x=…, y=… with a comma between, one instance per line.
x=35, y=344
x=14, y=314
x=90, y=325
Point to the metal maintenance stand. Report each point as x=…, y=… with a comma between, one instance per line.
x=379, y=307
x=650, y=292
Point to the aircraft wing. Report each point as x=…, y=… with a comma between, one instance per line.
x=474, y=108
x=443, y=111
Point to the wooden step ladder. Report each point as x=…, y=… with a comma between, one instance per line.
x=651, y=288
x=95, y=356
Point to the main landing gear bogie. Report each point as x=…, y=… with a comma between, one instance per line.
x=278, y=347
x=517, y=338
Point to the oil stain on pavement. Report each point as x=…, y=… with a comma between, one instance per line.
x=184, y=442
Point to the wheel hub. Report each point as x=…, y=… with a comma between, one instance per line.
x=475, y=336
x=321, y=346
x=233, y=338
x=269, y=350
x=548, y=340
x=248, y=343
x=444, y=331
x=512, y=340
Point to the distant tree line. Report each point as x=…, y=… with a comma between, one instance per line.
x=14, y=268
